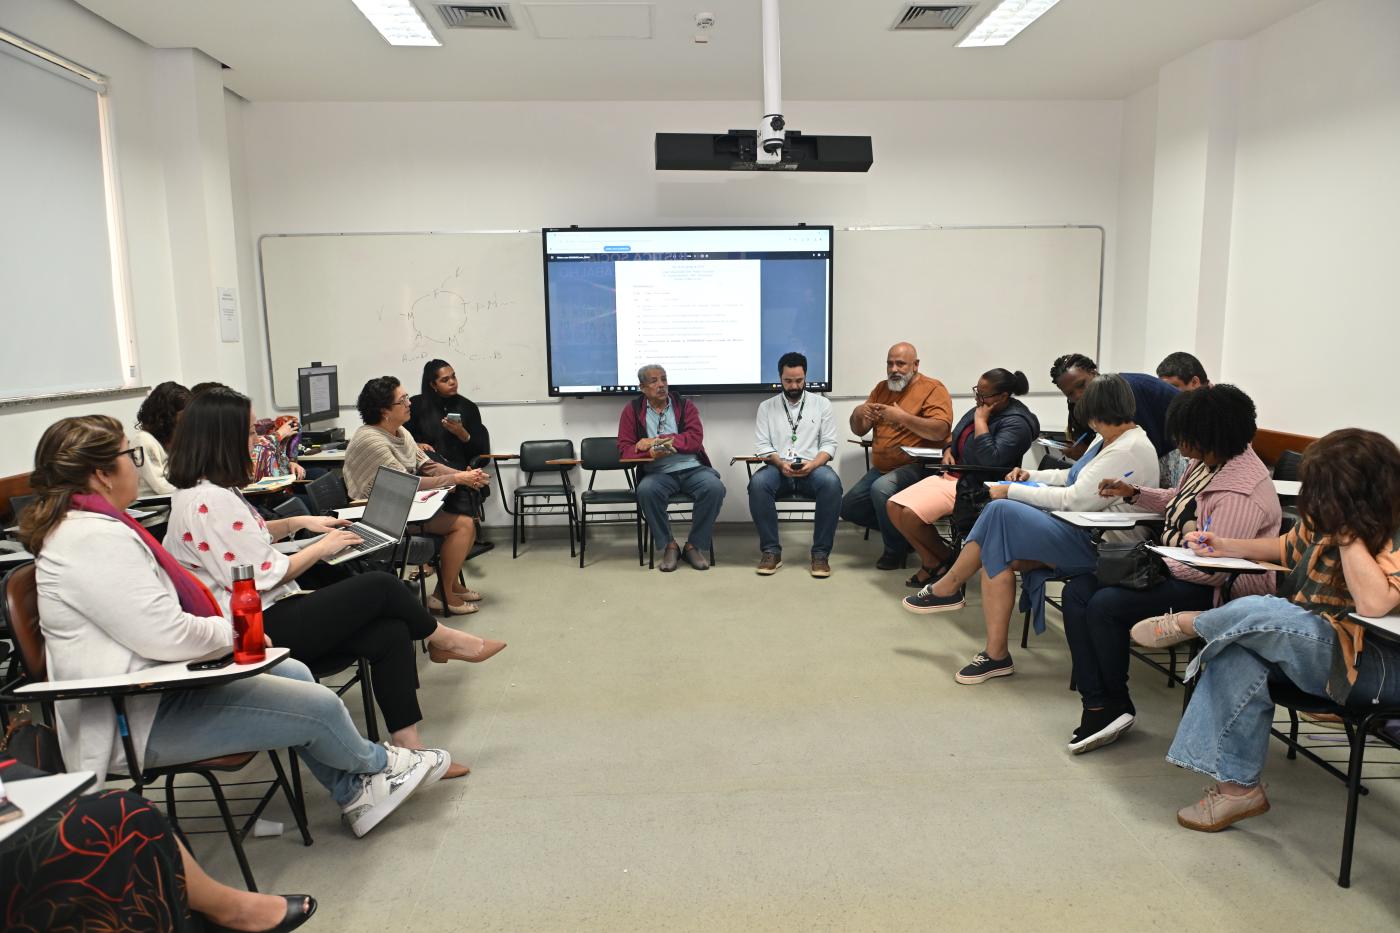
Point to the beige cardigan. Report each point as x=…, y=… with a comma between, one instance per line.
x=371, y=449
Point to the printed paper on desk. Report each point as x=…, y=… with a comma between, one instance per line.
x=1010, y=482
x=923, y=452
x=1190, y=557
x=1110, y=519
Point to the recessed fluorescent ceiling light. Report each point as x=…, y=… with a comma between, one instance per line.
x=398, y=21
x=1005, y=22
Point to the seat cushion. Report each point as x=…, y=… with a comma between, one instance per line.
x=522, y=492
x=609, y=496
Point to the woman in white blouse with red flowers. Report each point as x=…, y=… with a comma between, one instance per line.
x=371, y=615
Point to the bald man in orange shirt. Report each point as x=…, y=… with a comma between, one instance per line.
x=907, y=409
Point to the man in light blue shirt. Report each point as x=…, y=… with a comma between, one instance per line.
x=796, y=434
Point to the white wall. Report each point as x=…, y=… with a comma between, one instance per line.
x=1272, y=214
x=170, y=164
x=1137, y=158
x=1312, y=314
x=434, y=166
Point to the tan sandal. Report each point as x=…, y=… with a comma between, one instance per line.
x=465, y=609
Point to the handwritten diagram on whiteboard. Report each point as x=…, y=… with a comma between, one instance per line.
x=384, y=304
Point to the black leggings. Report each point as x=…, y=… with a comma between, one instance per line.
x=369, y=615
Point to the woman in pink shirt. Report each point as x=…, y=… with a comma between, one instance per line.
x=1226, y=490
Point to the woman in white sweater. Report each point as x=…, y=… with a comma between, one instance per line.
x=1015, y=532
x=112, y=601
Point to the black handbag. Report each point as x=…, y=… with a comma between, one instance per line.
x=1131, y=566
x=1377, y=674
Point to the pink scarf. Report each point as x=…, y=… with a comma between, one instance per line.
x=194, y=596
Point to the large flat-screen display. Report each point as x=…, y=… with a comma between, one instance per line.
x=715, y=306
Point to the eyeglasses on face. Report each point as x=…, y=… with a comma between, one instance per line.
x=977, y=394
x=402, y=401
x=137, y=455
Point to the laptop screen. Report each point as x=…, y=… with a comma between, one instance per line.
x=390, y=501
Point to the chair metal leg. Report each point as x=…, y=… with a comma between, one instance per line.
x=515, y=531
x=294, y=800
x=1292, y=733
x=234, y=836
x=582, y=533
x=170, y=806
x=367, y=696
x=1358, y=753
x=640, y=560
x=294, y=760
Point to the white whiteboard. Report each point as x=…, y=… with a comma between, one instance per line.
x=383, y=304
x=969, y=298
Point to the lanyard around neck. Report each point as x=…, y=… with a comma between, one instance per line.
x=788, y=414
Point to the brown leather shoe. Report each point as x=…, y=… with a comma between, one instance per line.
x=768, y=564
x=670, y=558
x=820, y=567
x=694, y=558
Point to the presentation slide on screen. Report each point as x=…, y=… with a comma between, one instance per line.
x=716, y=308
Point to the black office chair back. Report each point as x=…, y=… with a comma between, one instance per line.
x=327, y=493
x=18, y=504
x=22, y=618
x=1285, y=468
x=534, y=454
x=292, y=508
x=600, y=453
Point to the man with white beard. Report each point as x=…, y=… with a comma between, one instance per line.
x=907, y=409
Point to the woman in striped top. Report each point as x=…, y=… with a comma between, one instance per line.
x=1226, y=487
x=1344, y=557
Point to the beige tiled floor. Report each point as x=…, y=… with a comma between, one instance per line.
x=720, y=751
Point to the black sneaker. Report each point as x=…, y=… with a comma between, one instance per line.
x=890, y=560
x=924, y=601
x=1100, y=727
x=984, y=668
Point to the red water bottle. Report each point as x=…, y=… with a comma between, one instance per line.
x=246, y=606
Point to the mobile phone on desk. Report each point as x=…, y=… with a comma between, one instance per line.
x=211, y=664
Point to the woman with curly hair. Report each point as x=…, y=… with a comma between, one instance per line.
x=1225, y=487
x=155, y=429
x=1343, y=557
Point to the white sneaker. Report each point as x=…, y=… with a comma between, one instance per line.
x=438, y=762
x=381, y=793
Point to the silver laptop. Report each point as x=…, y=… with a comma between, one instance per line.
x=386, y=515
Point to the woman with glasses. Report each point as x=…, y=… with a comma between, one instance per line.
x=112, y=600
x=374, y=616
x=384, y=440
x=997, y=432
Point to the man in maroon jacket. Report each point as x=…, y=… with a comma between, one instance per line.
x=665, y=427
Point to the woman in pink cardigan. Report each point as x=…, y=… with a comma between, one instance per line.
x=1226, y=490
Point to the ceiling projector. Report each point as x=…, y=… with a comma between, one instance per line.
x=772, y=147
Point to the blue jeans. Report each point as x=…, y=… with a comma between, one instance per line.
x=702, y=483
x=822, y=484
x=1225, y=732
x=864, y=504
x=283, y=708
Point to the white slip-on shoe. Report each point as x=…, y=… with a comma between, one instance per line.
x=381, y=793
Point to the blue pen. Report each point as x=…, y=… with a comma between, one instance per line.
x=1206, y=529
